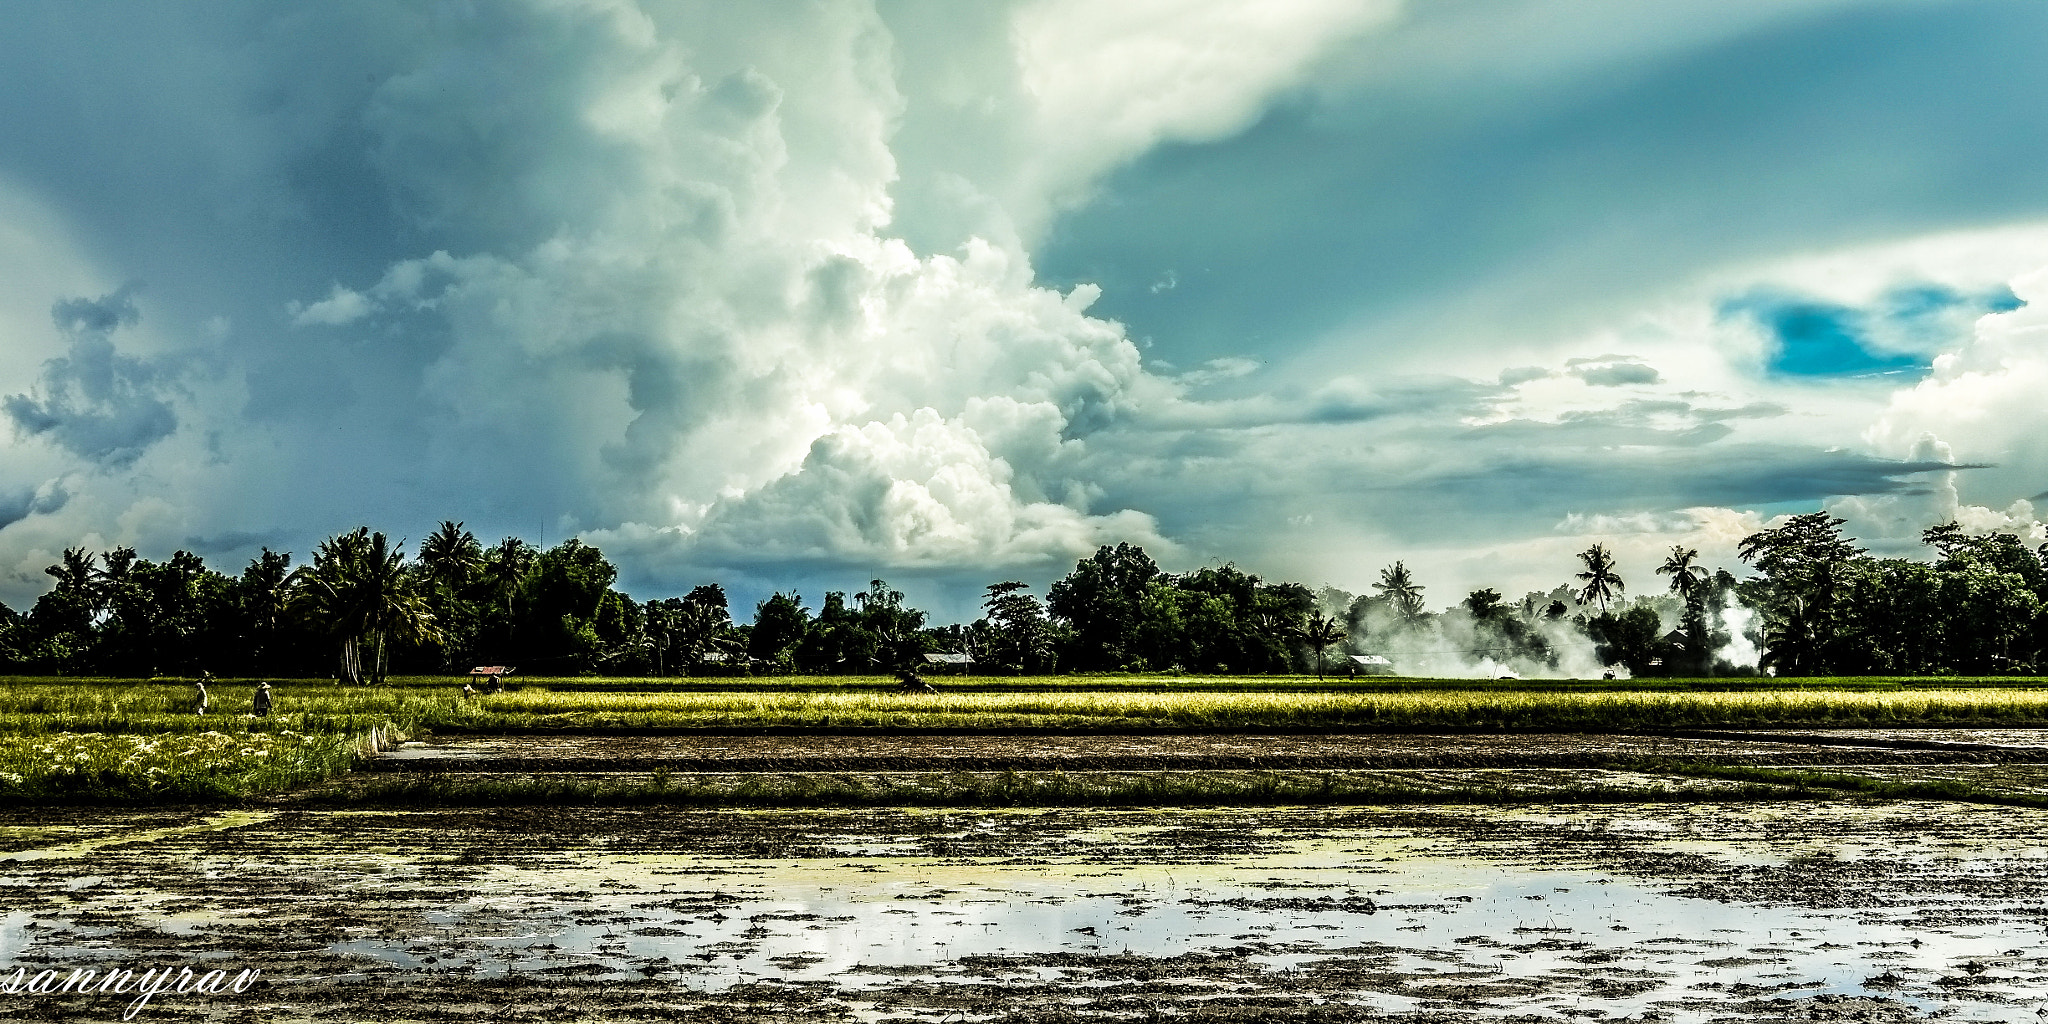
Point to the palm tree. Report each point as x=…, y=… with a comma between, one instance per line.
x=1398, y=587
x=266, y=590
x=1602, y=582
x=359, y=590
x=1321, y=632
x=1485, y=604
x=452, y=555
x=1790, y=644
x=1686, y=578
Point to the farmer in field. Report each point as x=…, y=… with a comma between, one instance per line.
x=497, y=683
x=200, y=685
x=468, y=691
x=261, y=704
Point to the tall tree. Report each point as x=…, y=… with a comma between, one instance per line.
x=779, y=625
x=895, y=626
x=1687, y=578
x=1801, y=567
x=265, y=594
x=1321, y=632
x=1601, y=582
x=1100, y=599
x=359, y=591
x=561, y=600
x=452, y=556
x=1398, y=588
x=1015, y=627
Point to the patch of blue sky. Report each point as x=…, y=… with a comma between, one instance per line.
x=1898, y=334
x=1358, y=205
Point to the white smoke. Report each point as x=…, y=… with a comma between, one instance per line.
x=1740, y=650
x=1453, y=645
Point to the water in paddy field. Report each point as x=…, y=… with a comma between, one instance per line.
x=1678, y=913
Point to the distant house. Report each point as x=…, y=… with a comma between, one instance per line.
x=1371, y=665
x=960, y=661
x=737, y=662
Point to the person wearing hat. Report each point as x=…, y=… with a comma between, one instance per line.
x=261, y=705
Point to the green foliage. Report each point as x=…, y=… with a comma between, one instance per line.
x=1830, y=608
x=1101, y=599
x=1122, y=612
x=1014, y=633
x=361, y=611
x=359, y=590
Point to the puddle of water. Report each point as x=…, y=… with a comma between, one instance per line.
x=1306, y=894
x=860, y=924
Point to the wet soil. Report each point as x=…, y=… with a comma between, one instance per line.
x=1746, y=912
x=874, y=753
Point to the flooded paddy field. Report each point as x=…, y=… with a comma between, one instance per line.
x=1710, y=911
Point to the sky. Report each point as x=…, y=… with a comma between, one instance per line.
x=794, y=296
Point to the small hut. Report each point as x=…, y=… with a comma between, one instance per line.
x=1371, y=665
x=962, y=662
x=491, y=676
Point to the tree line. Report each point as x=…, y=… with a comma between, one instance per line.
x=361, y=609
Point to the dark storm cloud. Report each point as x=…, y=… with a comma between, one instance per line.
x=613, y=267
x=1341, y=401
x=94, y=401
x=28, y=501
x=1613, y=371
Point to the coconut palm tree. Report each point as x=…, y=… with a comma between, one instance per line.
x=452, y=555
x=1321, y=632
x=1687, y=579
x=1397, y=587
x=1602, y=582
x=358, y=589
x=265, y=591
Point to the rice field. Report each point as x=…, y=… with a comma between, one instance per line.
x=124, y=740
x=1280, y=710
x=129, y=767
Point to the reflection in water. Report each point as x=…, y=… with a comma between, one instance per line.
x=1623, y=910
x=870, y=922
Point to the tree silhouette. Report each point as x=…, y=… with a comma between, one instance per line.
x=266, y=590
x=1687, y=579
x=1602, y=582
x=1483, y=604
x=359, y=591
x=1321, y=632
x=1397, y=587
x=452, y=556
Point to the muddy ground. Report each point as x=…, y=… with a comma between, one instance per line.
x=1732, y=911
x=874, y=752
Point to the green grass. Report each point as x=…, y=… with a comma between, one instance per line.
x=1846, y=782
